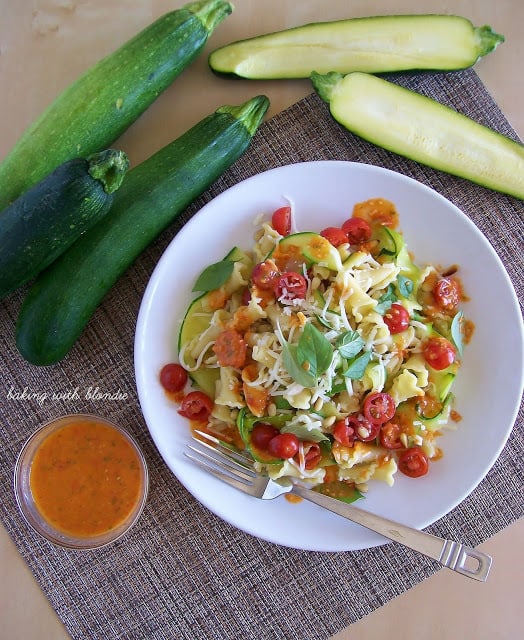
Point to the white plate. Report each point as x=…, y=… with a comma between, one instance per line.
x=488, y=387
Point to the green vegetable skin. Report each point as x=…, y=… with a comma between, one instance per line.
x=374, y=45
x=44, y=221
x=424, y=130
x=92, y=112
x=197, y=319
x=64, y=297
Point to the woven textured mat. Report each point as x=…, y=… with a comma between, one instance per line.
x=182, y=572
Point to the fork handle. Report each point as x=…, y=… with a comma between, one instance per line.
x=453, y=555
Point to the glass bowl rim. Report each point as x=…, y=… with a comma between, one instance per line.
x=28, y=507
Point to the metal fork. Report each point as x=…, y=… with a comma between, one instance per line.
x=236, y=469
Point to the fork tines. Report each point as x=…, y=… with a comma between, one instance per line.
x=225, y=463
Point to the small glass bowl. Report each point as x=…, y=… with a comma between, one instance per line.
x=26, y=502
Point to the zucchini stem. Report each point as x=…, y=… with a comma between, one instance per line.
x=325, y=83
x=108, y=167
x=250, y=113
x=210, y=12
x=488, y=40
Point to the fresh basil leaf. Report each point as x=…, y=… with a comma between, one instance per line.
x=456, y=332
x=303, y=433
x=350, y=344
x=386, y=300
x=295, y=370
x=214, y=276
x=405, y=286
x=357, y=367
x=314, y=350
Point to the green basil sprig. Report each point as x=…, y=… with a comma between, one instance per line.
x=350, y=346
x=307, y=359
x=214, y=276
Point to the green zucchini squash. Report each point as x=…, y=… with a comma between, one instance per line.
x=44, y=221
x=424, y=130
x=63, y=298
x=375, y=44
x=100, y=105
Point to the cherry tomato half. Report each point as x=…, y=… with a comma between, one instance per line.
x=379, y=407
x=230, y=348
x=357, y=230
x=281, y=221
x=284, y=445
x=447, y=294
x=290, y=286
x=396, y=318
x=365, y=430
x=439, y=353
x=390, y=436
x=334, y=235
x=265, y=275
x=413, y=462
x=261, y=435
x=344, y=433
x=196, y=406
x=377, y=211
x=312, y=455
x=173, y=377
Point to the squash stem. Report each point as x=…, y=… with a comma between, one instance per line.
x=210, y=12
x=488, y=40
x=325, y=84
x=250, y=113
x=108, y=167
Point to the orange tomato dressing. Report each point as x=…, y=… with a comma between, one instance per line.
x=86, y=478
x=377, y=211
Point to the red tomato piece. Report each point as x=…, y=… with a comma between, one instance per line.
x=312, y=455
x=413, y=462
x=246, y=296
x=261, y=435
x=196, y=406
x=344, y=432
x=357, y=230
x=334, y=235
x=438, y=352
x=365, y=430
x=396, y=318
x=265, y=275
x=379, y=407
x=284, y=445
x=291, y=286
x=447, y=294
x=281, y=221
x=231, y=349
x=390, y=436
x=377, y=211
x=173, y=377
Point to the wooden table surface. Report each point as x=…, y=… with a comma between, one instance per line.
x=45, y=44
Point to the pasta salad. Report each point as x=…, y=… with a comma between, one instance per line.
x=329, y=356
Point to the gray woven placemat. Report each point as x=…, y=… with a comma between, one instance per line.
x=182, y=572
